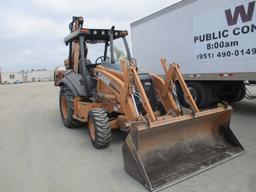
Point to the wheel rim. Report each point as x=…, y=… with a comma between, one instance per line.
x=91, y=129
x=64, y=107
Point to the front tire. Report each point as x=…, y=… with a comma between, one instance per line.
x=99, y=129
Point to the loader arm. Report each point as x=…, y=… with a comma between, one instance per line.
x=173, y=74
x=143, y=96
x=165, y=95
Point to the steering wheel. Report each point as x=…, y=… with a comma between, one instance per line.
x=101, y=59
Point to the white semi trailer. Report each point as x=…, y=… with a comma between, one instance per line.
x=214, y=42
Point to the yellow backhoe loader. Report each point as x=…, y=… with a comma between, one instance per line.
x=166, y=143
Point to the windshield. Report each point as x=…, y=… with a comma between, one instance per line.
x=96, y=50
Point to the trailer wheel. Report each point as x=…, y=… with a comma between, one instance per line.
x=199, y=93
x=237, y=95
x=241, y=92
x=66, y=108
x=209, y=95
x=99, y=129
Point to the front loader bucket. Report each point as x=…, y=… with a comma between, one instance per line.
x=169, y=151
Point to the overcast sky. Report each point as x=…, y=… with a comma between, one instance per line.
x=32, y=31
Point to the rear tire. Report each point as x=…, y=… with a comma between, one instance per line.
x=199, y=94
x=99, y=129
x=209, y=95
x=66, y=108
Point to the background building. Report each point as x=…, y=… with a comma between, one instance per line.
x=39, y=75
x=0, y=76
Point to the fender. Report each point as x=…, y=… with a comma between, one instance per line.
x=73, y=81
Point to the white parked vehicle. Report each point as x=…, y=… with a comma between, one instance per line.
x=214, y=42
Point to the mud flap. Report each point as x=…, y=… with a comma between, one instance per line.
x=170, y=151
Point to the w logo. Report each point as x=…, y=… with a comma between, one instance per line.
x=246, y=15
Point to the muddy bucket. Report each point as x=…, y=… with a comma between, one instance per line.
x=169, y=151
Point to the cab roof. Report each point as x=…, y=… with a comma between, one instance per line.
x=95, y=35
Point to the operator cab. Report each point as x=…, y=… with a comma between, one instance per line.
x=97, y=42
